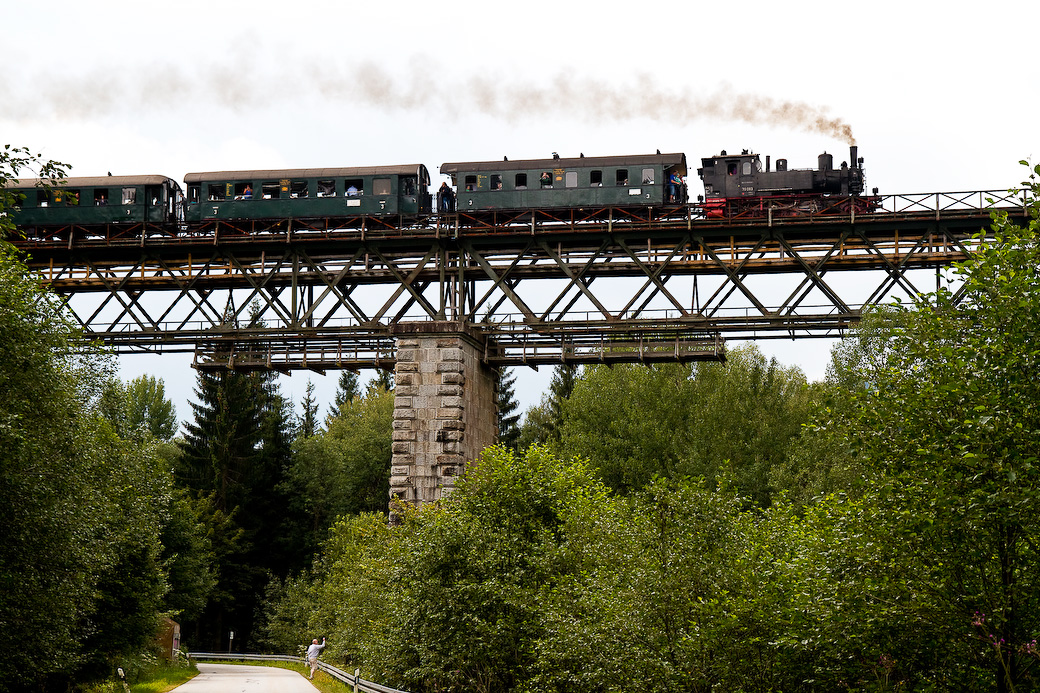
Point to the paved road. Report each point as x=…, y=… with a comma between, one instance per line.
x=241, y=678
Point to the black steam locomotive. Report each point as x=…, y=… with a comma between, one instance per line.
x=739, y=186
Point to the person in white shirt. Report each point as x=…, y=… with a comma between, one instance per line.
x=312, y=655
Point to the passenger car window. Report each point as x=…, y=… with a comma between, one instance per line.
x=571, y=179
x=496, y=181
x=299, y=188
x=130, y=195
x=270, y=190
x=648, y=176
x=621, y=178
x=326, y=188
x=355, y=187
x=596, y=178
x=520, y=181
x=381, y=186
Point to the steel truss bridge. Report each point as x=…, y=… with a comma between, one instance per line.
x=603, y=285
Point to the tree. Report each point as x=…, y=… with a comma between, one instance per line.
x=508, y=421
x=346, y=469
x=149, y=409
x=233, y=460
x=347, y=390
x=949, y=434
x=308, y=424
x=471, y=575
x=80, y=505
x=384, y=379
x=13, y=162
x=734, y=420
x=542, y=422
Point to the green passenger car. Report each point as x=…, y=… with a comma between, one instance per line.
x=556, y=183
x=313, y=193
x=98, y=201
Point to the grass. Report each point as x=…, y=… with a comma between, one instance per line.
x=147, y=675
x=162, y=679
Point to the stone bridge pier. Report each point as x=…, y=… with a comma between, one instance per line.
x=444, y=408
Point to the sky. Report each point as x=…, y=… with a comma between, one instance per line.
x=937, y=98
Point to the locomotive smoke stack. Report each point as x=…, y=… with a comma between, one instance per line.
x=767, y=163
x=853, y=152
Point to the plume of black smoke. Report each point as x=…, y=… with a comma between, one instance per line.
x=419, y=88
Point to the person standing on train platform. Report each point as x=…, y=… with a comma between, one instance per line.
x=444, y=198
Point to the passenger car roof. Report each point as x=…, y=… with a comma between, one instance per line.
x=276, y=174
x=674, y=159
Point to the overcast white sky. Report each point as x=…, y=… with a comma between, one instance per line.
x=939, y=97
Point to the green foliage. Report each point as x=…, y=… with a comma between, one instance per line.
x=149, y=409
x=13, y=162
x=233, y=461
x=543, y=422
x=347, y=388
x=735, y=420
x=943, y=423
x=308, y=423
x=506, y=411
x=345, y=469
x=80, y=576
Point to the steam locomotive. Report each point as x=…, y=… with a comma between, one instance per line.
x=739, y=186
x=735, y=187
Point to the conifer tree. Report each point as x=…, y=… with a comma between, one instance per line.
x=384, y=379
x=308, y=424
x=508, y=417
x=347, y=390
x=234, y=457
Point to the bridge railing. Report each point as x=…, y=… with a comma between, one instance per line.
x=938, y=202
x=353, y=680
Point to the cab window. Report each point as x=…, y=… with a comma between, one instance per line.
x=746, y=169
